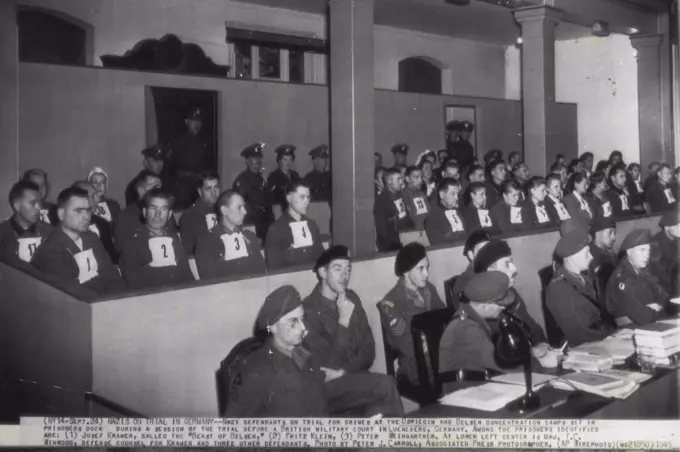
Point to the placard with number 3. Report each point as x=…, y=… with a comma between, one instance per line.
x=234, y=246
x=162, y=252
x=302, y=236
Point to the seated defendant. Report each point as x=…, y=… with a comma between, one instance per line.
x=201, y=217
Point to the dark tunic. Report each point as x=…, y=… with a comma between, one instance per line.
x=601, y=268
x=493, y=194
x=129, y=220
x=19, y=244
x=190, y=156
x=444, y=226
x=509, y=220
x=279, y=244
x=417, y=206
x=136, y=259
x=578, y=208
x=277, y=183
x=212, y=260
x=462, y=151
x=102, y=229
x=319, y=185
x=471, y=220
x=660, y=197
x=601, y=208
x=556, y=209
x=664, y=262
x=271, y=384
x=253, y=188
x=108, y=210
x=390, y=220
x=196, y=221
x=636, y=196
x=620, y=201
x=538, y=216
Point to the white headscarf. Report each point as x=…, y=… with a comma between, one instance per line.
x=97, y=170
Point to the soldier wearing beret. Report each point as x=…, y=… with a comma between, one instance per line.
x=444, y=223
x=293, y=239
x=319, y=179
x=279, y=179
x=389, y=212
x=633, y=294
x=460, y=148
x=201, y=217
x=413, y=294
x=603, y=231
x=664, y=259
x=228, y=249
x=154, y=161
x=474, y=242
x=191, y=156
x=571, y=297
x=341, y=340
x=48, y=210
x=281, y=379
x=252, y=186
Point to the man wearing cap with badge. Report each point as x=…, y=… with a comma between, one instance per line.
x=444, y=223
x=341, y=341
x=155, y=158
x=389, y=212
x=281, y=379
x=154, y=256
x=293, y=239
x=633, y=294
x=228, y=249
x=475, y=241
x=279, y=179
x=461, y=148
x=571, y=297
x=23, y=232
x=413, y=294
x=252, y=186
x=190, y=157
x=201, y=217
x=664, y=259
x=400, y=151
x=319, y=179
x=603, y=231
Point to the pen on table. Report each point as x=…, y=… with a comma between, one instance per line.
x=564, y=347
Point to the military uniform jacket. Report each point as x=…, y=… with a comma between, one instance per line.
x=144, y=265
x=620, y=201
x=391, y=218
x=472, y=220
x=660, y=197
x=396, y=311
x=319, y=185
x=102, y=229
x=578, y=208
x=190, y=154
x=221, y=253
x=463, y=152
x=277, y=182
x=417, y=205
x=290, y=242
x=271, y=384
x=632, y=296
x=336, y=347
x=196, y=221
x=601, y=267
x=664, y=262
x=129, y=220
x=444, y=226
x=90, y=267
x=556, y=210
x=508, y=219
x=19, y=244
x=574, y=305
x=538, y=216
x=253, y=188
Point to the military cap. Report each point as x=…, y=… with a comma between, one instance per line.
x=602, y=223
x=254, y=150
x=401, y=148
x=155, y=152
x=490, y=287
x=490, y=253
x=572, y=242
x=570, y=225
x=333, y=253
x=493, y=155
x=195, y=114
x=475, y=239
x=277, y=304
x=670, y=217
x=454, y=126
x=319, y=151
x=468, y=126
x=635, y=238
x=285, y=149
x=408, y=257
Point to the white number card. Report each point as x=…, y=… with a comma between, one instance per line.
x=669, y=196
x=234, y=246
x=88, y=267
x=515, y=215
x=400, y=207
x=484, y=218
x=542, y=215
x=94, y=228
x=624, y=202
x=45, y=216
x=562, y=211
x=421, y=205
x=585, y=207
x=454, y=220
x=162, y=252
x=302, y=237
x=103, y=211
x=607, y=209
x=27, y=247
x=638, y=185
x=210, y=220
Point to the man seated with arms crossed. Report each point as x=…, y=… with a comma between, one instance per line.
x=571, y=297
x=293, y=239
x=444, y=224
x=74, y=254
x=389, y=212
x=633, y=294
x=23, y=232
x=201, y=217
x=473, y=244
x=153, y=256
x=341, y=341
x=281, y=379
x=228, y=249
x=413, y=294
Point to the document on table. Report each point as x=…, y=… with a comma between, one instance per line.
x=619, y=348
x=486, y=397
x=517, y=378
x=675, y=300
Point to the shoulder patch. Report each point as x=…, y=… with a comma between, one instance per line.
x=387, y=304
x=622, y=286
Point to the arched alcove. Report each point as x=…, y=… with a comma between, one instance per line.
x=420, y=75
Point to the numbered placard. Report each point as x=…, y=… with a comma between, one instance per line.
x=93, y=228
x=162, y=252
x=45, y=216
x=234, y=246
x=401, y=208
x=88, y=267
x=562, y=211
x=27, y=247
x=669, y=195
x=454, y=220
x=484, y=218
x=607, y=209
x=302, y=236
x=515, y=215
x=210, y=220
x=638, y=185
x=103, y=211
x=421, y=205
x=624, y=202
x=585, y=207
x=542, y=215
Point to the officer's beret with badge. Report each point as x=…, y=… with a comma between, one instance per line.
x=602, y=224
x=572, y=242
x=254, y=150
x=285, y=149
x=335, y=252
x=635, y=238
x=490, y=287
x=194, y=114
x=319, y=151
x=279, y=303
x=401, y=148
x=157, y=152
x=467, y=126
x=454, y=126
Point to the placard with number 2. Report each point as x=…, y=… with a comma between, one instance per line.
x=234, y=246
x=162, y=252
x=88, y=267
x=302, y=237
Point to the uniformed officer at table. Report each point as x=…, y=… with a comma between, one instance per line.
x=228, y=249
x=293, y=239
x=341, y=340
x=281, y=379
x=253, y=187
x=281, y=177
x=201, y=217
x=23, y=233
x=154, y=256
x=319, y=179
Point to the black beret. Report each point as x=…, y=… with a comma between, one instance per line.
x=254, y=150
x=490, y=287
x=475, y=239
x=572, y=242
x=285, y=149
x=319, y=151
x=333, y=253
x=670, y=217
x=454, y=126
x=636, y=237
x=156, y=152
x=277, y=304
x=401, y=148
x=602, y=223
x=408, y=257
x=570, y=225
x=194, y=113
x=490, y=253
x=468, y=126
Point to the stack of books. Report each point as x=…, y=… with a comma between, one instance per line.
x=588, y=361
x=658, y=344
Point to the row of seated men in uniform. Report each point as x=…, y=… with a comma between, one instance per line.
x=316, y=358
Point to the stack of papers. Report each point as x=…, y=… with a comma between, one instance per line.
x=607, y=384
x=486, y=397
x=619, y=347
x=586, y=361
x=659, y=343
